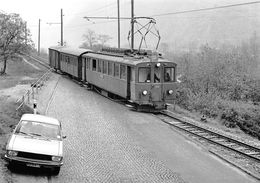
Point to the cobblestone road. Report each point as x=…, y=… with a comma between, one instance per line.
x=100, y=145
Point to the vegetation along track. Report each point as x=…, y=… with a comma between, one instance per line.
x=242, y=148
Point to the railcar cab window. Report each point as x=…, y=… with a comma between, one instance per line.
x=94, y=64
x=116, y=70
x=144, y=75
x=157, y=73
x=122, y=72
x=169, y=74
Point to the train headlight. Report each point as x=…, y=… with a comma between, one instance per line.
x=144, y=92
x=158, y=64
x=170, y=92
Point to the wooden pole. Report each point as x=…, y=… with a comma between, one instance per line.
x=132, y=24
x=118, y=22
x=39, y=37
x=61, y=39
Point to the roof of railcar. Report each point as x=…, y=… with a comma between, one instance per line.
x=129, y=60
x=71, y=51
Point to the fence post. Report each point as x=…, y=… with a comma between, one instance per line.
x=28, y=94
x=33, y=92
x=23, y=99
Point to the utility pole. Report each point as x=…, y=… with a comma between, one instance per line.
x=61, y=22
x=118, y=15
x=132, y=24
x=39, y=37
x=61, y=26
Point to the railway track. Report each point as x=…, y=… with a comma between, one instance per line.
x=39, y=60
x=234, y=145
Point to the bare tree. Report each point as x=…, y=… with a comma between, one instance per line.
x=94, y=41
x=13, y=38
x=90, y=39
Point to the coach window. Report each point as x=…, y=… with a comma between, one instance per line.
x=104, y=67
x=94, y=64
x=88, y=63
x=99, y=65
x=169, y=74
x=144, y=75
x=110, y=70
x=122, y=72
x=116, y=70
x=67, y=59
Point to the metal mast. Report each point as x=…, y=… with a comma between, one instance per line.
x=132, y=24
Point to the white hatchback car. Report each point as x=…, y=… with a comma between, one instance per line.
x=36, y=142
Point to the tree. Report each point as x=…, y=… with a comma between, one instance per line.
x=90, y=39
x=94, y=41
x=13, y=38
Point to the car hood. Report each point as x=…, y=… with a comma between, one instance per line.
x=35, y=145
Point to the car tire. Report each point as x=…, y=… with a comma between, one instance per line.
x=56, y=170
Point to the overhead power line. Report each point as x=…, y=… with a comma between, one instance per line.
x=205, y=9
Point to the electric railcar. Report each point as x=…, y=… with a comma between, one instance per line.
x=143, y=77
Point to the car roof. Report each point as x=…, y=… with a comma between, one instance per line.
x=40, y=118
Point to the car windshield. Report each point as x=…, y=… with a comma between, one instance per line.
x=39, y=129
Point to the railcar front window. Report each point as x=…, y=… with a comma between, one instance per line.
x=157, y=74
x=144, y=75
x=169, y=74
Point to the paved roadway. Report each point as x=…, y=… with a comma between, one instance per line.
x=107, y=142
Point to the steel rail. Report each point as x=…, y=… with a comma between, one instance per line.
x=214, y=137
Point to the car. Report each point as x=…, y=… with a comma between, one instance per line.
x=36, y=141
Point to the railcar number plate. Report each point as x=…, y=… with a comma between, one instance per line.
x=33, y=165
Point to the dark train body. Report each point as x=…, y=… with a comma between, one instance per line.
x=143, y=78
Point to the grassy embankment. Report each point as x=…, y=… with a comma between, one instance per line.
x=13, y=85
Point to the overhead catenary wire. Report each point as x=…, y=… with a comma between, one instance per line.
x=205, y=9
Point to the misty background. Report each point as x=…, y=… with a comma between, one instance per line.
x=180, y=32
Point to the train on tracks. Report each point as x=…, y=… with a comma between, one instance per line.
x=142, y=77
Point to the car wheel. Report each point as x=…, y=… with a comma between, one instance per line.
x=56, y=171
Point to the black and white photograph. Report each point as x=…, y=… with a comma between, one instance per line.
x=130, y=91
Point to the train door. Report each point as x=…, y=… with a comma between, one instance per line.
x=83, y=69
x=156, y=85
x=128, y=80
